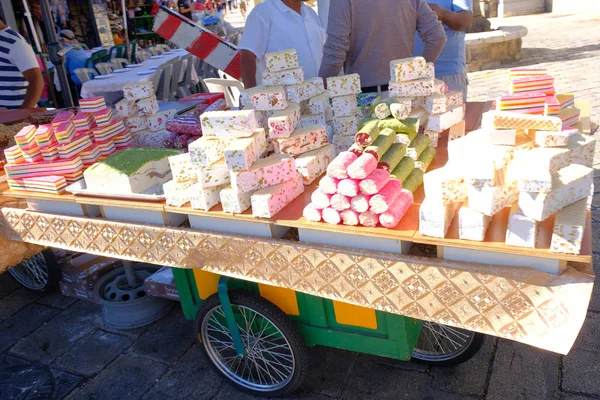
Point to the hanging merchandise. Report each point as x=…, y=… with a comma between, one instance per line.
x=60, y=11
x=103, y=25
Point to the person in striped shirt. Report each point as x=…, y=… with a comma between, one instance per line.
x=21, y=81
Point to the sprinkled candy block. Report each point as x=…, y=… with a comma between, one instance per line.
x=445, y=185
x=137, y=91
x=311, y=213
x=417, y=146
x=439, y=86
x=485, y=169
x=454, y=99
x=457, y=130
x=235, y=202
x=269, y=201
x=182, y=168
x=436, y=104
x=282, y=123
x=508, y=120
x=328, y=184
x=267, y=98
x=307, y=120
x=348, y=187
x=382, y=144
x=373, y=183
x=521, y=231
x=344, y=106
x=288, y=77
x=403, y=169
x=569, y=227
x=281, y=60
x=345, y=126
x=65, y=132
x=435, y=217
x=400, y=107
x=103, y=117
x=360, y=203
x=343, y=85
x=381, y=202
x=241, y=153
x=320, y=200
x=331, y=216
x=314, y=163
x=362, y=166
x=177, y=193
x=213, y=175
x=441, y=122
x=205, y=198
x=158, y=121
x=368, y=219
x=91, y=104
x=135, y=123
x=408, y=69
x=339, y=166
x=368, y=133
x=302, y=141
x=409, y=126
x=229, y=124
x=125, y=108
x=350, y=217
x=319, y=104
x=390, y=218
x=489, y=200
x=305, y=90
x=425, y=159
x=570, y=184
x=269, y=171
x=147, y=106
x=472, y=225
x=417, y=87
x=553, y=139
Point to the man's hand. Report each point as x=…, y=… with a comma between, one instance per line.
x=440, y=11
x=457, y=21
x=34, y=90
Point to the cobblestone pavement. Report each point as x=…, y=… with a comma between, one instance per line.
x=63, y=350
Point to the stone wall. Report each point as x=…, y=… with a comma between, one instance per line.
x=488, y=50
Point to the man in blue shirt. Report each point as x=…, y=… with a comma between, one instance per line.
x=75, y=57
x=456, y=17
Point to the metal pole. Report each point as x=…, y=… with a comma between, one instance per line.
x=132, y=279
x=56, y=54
x=126, y=28
x=33, y=31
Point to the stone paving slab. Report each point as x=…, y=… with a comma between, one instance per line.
x=581, y=373
x=16, y=301
x=23, y=323
x=57, y=300
x=7, y=285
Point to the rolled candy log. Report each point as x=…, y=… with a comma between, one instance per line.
x=349, y=217
x=331, y=216
x=392, y=157
x=383, y=200
x=384, y=141
x=417, y=146
x=368, y=133
x=348, y=187
x=360, y=202
x=368, y=219
x=425, y=159
x=408, y=125
x=382, y=110
x=414, y=180
x=400, y=107
x=403, y=169
x=405, y=138
x=397, y=209
x=340, y=202
x=374, y=182
x=320, y=200
x=337, y=168
x=362, y=166
x=328, y=184
x=311, y=213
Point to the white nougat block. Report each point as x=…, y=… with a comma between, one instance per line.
x=454, y=98
x=229, y=124
x=269, y=171
x=345, y=126
x=125, y=108
x=288, y=77
x=267, y=98
x=213, y=175
x=302, y=141
x=569, y=227
x=182, y=168
x=521, y=231
x=282, y=123
x=319, y=104
x=313, y=164
x=158, y=121
x=241, y=153
x=281, y=60
x=147, y=106
x=343, y=85
x=552, y=139
x=305, y=90
x=344, y=106
x=472, y=225
x=137, y=91
x=307, y=120
x=484, y=169
x=435, y=217
x=434, y=136
x=235, y=202
x=205, y=198
x=177, y=193
x=489, y=200
x=506, y=137
x=435, y=104
x=569, y=185
x=417, y=87
x=342, y=143
x=408, y=69
x=441, y=122
x=207, y=151
x=269, y=201
x=445, y=185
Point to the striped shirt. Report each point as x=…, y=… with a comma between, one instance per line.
x=16, y=56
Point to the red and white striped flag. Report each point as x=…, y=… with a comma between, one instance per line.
x=199, y=41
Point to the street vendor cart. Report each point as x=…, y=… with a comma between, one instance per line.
x=260, y=292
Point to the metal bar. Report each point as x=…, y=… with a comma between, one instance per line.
x=228, y=311
x=30, y=21
x=132, y=279
x=125, y=28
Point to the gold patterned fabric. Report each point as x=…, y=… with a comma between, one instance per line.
x=521, y=304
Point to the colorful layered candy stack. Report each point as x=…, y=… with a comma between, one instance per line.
x=27, y=144
x=47, y=184
x=107, y=132
x=526, y=84
x=84, y=123
x=526, y=103
x=92, y=104
x=356, y=192
x=346, y=114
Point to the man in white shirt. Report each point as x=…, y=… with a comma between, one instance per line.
x=21, y=81
x=276, y=25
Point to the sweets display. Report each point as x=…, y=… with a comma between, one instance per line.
x=281, y=60
x=269, y=201
x=283, y=123
x=291, y=76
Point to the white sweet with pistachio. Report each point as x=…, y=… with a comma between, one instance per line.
x=441, y=122
x=229, y=124
x=313, y=164
x=445, y=185
x=241, y=153
x=269, y=201
x=472, y=225
x=207, y=151
x=344, y=106
x=521, y=231
x=213, y=175
x=281, y=60
x=569, y=227
x=491, y=199
x=343, y=85
x=205, y=198
x=269, y=171
x=235, y=202
x=292, y=76
x=435, y=218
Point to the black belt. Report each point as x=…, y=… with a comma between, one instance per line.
x=375, y=89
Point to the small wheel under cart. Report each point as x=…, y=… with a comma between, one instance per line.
x=39, y=273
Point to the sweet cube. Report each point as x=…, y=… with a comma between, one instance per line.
x=417, y=87
x=207, y=151
x=345, y=126
x=313, y=164
x=302, y=141
x=214, y=174
x=267, y=98
x=269, y=171
x=147, y=106
x=281, y=60
x=408, y=69
x=229, y=124
x=569, y=227
x=235, y=202
x=269, y=201
x=205, y=198
x=445, y=185
x=158, y=121
x=441, y=122
x=343, y=85
x=241, y=153
x=292, y=76
x=521, y=231
x=138, y=91
x=282, y=123
x=435, y=217
x=125, y=108
x=472, y=225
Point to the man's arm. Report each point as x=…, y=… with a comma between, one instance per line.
x=34, y=90
x=248, y=66
x=431, y=31
x=458, y=21
x=184, y=10
x=336, y=47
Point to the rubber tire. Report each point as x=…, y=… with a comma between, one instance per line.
x=279, y=319
x=54, y=274
x=461, y=358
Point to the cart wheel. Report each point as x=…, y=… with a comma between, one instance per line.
x=276, y=359
x=444, y=345
x=39, y=273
